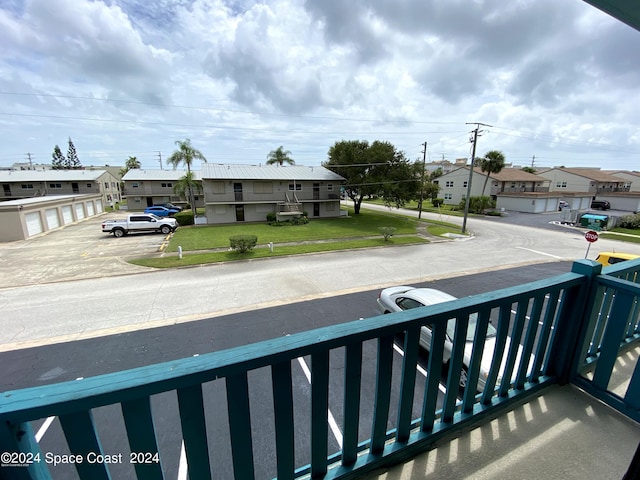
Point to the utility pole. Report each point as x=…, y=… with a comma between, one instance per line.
x=533, y=160
x=476, y=131
x=30, y=162
x=160, y=159
x=424, y=165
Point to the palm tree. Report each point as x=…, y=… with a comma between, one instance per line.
x=130, y=164
x=280, y=156
x=493, y=162
x=186, y=184
x=186, y=154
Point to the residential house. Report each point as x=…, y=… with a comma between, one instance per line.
x=19, y=184
x=143, y=188
x=237, y=193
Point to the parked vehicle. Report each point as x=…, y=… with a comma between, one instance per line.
x=611, y=258
x=140, y=223
x=170, y=206
x=161, y=211
x=396, y=299
x=600, y=205
x=562, y=204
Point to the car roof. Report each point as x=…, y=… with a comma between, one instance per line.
x=628, y=256
x=426, y=296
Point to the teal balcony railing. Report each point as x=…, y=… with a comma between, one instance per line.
x=389, y=406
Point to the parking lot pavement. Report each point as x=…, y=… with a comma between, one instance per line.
x=75, y=251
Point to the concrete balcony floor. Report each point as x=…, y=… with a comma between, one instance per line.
x=562, y=434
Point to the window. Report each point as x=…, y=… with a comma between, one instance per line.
x=89, y=185
x=449, y=184
x=166, y=185
x=217, y=187
x=113, y=184
x=329, y=187
x=448, y=196
x=106, y=184
x=561, y=184
x=464, y=184
x=135, y=185
x=262, y=187
x=55, y=185
x=408, y=303
x=27, y=186
x=295, y=186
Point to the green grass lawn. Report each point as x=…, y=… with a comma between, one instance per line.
x=355, y=226
x=426, y=207
x=279, y=251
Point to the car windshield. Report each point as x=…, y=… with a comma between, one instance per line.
x=471, y=329
x=155, y=216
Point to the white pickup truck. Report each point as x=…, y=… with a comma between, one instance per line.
x=143, y=222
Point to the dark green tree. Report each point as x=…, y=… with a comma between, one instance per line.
x=376, y=169
x=73, y=162
x=186, y=154
x=528, y=169
x=280, y=156
x=493, y=162
x=58, y=160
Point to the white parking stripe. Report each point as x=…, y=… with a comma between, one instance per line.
x=419, y=368
x=183, y=469
x=541, y=253
x=332, y=422
x=43, y=429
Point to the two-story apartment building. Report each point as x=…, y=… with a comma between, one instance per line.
x=631, y=179
x=143, y=188
x=237, y=193
x=585, y=180
x=19, y=184
x=453, y=185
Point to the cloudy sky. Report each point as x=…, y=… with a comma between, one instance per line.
x=555, y=80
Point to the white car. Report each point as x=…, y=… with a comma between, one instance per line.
x=397, y=299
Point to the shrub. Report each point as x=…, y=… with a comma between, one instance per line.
x=184, y=218
x=630, y=221
x=271, y=217
x=243, y=243
x=437, y=202
x=387, y=232
x=478, y=204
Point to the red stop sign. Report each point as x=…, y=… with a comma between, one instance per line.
x=591, y=236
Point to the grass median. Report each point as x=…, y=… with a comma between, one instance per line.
x=209, y=244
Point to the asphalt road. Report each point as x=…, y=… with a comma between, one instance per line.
x=90, y=357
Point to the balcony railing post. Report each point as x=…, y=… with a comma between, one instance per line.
x=572, y=322
x=19, y=442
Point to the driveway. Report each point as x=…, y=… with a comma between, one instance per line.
x=75, y=251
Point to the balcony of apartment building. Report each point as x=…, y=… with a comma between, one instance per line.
x=556, y=395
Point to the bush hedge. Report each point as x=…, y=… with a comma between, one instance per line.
x=184, y=218
x=243, y=243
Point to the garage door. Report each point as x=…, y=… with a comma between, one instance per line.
x=67, y=214
x=99, y=208
x=34, y=223
x=79, y=211
x=52, y=218
x=90, y=210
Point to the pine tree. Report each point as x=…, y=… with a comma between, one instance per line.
x=73, y=162
x=58, y=160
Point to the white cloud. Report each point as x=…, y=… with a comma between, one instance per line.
x=128, y=77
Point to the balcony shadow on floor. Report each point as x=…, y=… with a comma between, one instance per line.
x=561, y=434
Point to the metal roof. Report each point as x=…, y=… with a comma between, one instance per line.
x=267, y=172
x=140, y=175
x=591, y=173
x=50, y=175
